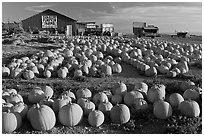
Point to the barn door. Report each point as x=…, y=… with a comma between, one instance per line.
x=69, y=30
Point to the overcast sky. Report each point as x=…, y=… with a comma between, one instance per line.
x=168, y=16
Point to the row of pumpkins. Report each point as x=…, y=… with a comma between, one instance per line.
x=91, y=55
x=70, y=108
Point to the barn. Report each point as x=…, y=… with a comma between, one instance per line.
x=51, y=21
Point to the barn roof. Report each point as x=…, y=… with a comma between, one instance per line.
x=49, y=10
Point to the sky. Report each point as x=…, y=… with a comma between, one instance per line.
x=168, y=16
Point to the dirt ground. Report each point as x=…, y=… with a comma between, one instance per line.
x=139, y=125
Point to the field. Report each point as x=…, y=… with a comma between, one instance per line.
x=140, y=122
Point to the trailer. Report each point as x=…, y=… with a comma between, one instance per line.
x=138, y=28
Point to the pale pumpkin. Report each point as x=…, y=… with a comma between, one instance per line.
x=120, y=88
x=86, y=105
x=48, y=91
x=175, y=99
x=42, y=117
x=105, y=107
x=130, y=97
x=10, y=121
x=70, y=115
x=20, y=108
x=189, y=108
x=60, y=102
x=162, y=109
x=83, y=93
x=14, y=98
x=99, y=97
x=152, y=71
x=69, y=94
x=28, y=74
x=156, y=92
x=120, y=114
x=5, y=71
x=96, y=118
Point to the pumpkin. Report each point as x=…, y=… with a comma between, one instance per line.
x=152, y=71
x=175, y=99
x=140, y=104
x=43, y=117
x=155, y=93
x=47, y=73
x=83, y=93
x=36, y=95
x=96, y=118
x=116, y=99
x=99, y=97
x=120, y=114
x=48, y=91
x=78, y=73
x=107, y=70
x=10, y=121
x=14, y=98
x=186, y=85
x=62, y=73
x=3, y=101
x=5, y=95
x=5, y=71
x=191, y=94
x=40, y=67
x=105, y=107
x=70, y=114
x=93, y=71
x=86, y=105
x=11, y=91
x=189, y=108
x=60, y=102
x=171, y=73
x=28, y=74
x=141, y=85
x=69, y=94
x=117, y=68
x=16, y=73
x=120, y=88
x=130, y=97
x=6, y=106
x=162, y=109
x=20, y=108
x=85, y=69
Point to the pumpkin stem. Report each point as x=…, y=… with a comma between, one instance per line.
x=37, y=105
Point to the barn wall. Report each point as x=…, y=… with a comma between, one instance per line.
x=36, y=22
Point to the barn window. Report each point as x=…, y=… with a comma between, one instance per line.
x=49, y=21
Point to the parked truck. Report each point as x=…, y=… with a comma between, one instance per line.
x=138, y=28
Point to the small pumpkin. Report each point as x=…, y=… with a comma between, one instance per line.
x=120, y=88
x=83, y=93
x=78, y=73
x=162, y=109
x=156, y=92
x=20, y=108
x=48, y=91
x=140, y=104
x=69, y=94
x=117, y=68
x=116, y=99
x=62, y=73
x=5, y=95
x=175, y=99
x=96, y=118
x=28, y=74
x=120, y=114
x=70, y=114
x=5, y=71
x=86, y=105
x=11, y=91
x=60, y=102
x=105, y=107
x=43, y=117
x=189, y=108
x=191, y=94
x=6, y=106
x=141, y=85
x=186, y=85
x=10, y=121
x=36, y=95
x=152, y=71
x=130, y=97
x=99, y=97
x=47, y=73
x=14, y=98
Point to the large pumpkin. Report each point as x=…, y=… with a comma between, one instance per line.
x=189, y=108
x=96, y=118
x=70, y=114
x=42, y=117
x=175, y=99
x=186, y=85
x=86, y=105
x=99, y=97
x=155, y=93
x=120, y=114
x=152, y=71
x=141, y=85
x=162, y=109
x=83, y=93
x=130, y=97
x=10, y=121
